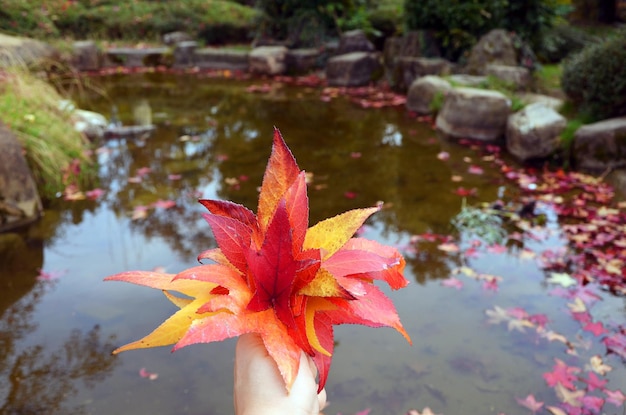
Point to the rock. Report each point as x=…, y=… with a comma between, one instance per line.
x=601, y=145
x=129, y=131
x=474, y=113
x=19, y=200
x=20, y=50
x=86, y=56
x=353, y=69
x=422, y=92
x=496, y=47
x=268, y=60
x=548, y=101
x=185, y=53
x=354, y=41
x=301, y=61
x=136, y=58
x=90, y=123
x=408, y=69
x=534, y=132
x=467, y=80
x=415, y=44
x=174, y=38
x=517, y=76
x=226, y=59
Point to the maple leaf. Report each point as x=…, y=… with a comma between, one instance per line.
x=273, y=275
x=616, y=397
x=598, y=366
x=593, y=382
x=562, y=278
x=530, y=402
x=561, y=375
x=573, y=398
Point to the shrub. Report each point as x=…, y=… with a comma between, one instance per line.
x=595, y=78
x=458, y=23
x=560, y=42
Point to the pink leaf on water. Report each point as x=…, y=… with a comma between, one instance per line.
x=453, y=283
x=530, y=402
x=94, y=194
x=473, y=169
x=145, y=374
x=164, y=204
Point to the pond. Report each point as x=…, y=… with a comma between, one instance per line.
x=60, y=321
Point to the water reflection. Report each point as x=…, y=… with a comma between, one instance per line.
x=38, y=379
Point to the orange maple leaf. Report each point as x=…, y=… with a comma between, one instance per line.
x=275, y=276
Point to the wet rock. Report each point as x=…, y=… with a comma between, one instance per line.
x=90, y=123
x=601, y=145
x=301, y=61
x=415, y=44
x=174, y=38
x=422, y=92
x=517, y=76
x=496, y=47
x=534, y=132
x=185, y=53
x=353, y=69
x=227, y=59
x=354, y=41
x=19, y=200
x=474, y=113
x=268, y=60
x=86, y=56
x=19, y=50
x=409, y=69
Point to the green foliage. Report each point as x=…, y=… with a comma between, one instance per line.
x=215, y=21
x=595, y=78
x=437, y=102
x=32, y=108
x=458, y=23
x=561, y=41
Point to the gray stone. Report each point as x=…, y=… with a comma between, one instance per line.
x=408, y=69
x=90, y=123
x=86, y=56
x=185, y=53
x=136, y=58
x=174, y=38
x=548, y=101
x=354, y=41
x=534, y=132
x=474, y=113
x=20, y=50
x=19, y=200
x=496, y=47
x=422, y=92
x=226, y=59
x=302, y=60
x=601, y=145
x=467, y=80
x=353, y=69
x=268, y=60
x=517, y=76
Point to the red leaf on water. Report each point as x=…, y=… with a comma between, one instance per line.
x=473, y=169
x=164, y=204
x=94, y=194
x=453, y=283
x=596, y=328
x=593, y=382
x=615, y=397
x=461, y=191
x=145, y=374
x=530, y=402
x=497, y=249
x=561, y=374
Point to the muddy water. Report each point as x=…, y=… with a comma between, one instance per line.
x=212, y=141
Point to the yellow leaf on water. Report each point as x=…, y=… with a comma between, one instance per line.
x=562, y=278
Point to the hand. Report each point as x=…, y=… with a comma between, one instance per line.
x=260, y=389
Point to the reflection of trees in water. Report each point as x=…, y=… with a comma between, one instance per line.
x=39, y=381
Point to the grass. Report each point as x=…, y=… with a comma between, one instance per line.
x=214, y=21
x=548, y=78
x=30, y=107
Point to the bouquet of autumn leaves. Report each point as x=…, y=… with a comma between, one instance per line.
x=275, y=276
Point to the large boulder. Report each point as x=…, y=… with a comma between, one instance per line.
x=185, y=53
x=354, y=41
x=301, y=61
x=548, y=101
x=423, y=91
x=19, y=50
x=517, y=76
x=601, y=145
x=222, y=58
x=496, y=47
x=414, y=44
x=408, y=69
x=19, y=200
x=353, y=69
x=268, y=60
x=474, y=113
x=534, y=132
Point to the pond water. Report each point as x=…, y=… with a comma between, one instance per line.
x=59, y=325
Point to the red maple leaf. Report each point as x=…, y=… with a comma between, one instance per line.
x=561, y=374
x=593, y=382
x=275, y=276
x=530, y=402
